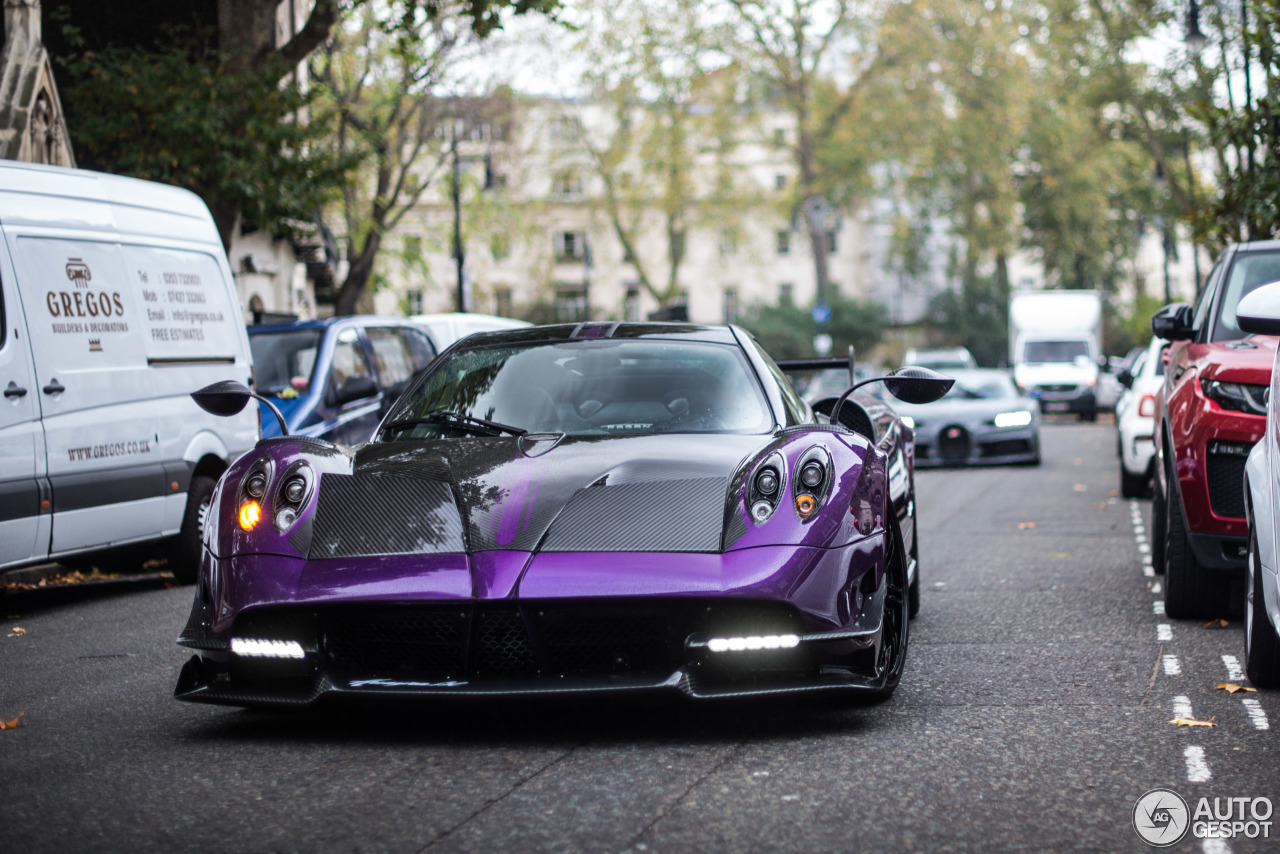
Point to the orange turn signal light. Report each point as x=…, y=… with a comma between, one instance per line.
x=805, y=505
x=250, y=515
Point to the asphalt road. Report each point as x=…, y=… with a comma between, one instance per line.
x=1033, y=714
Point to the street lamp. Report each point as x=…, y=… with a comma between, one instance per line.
x=459, y=253
x=1195, y=36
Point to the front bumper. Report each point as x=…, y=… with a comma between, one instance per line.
x=976, y=445
x=1057, y=399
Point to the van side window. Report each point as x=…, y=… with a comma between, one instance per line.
x=391, y=353
x=421, y=347
x=348, y=359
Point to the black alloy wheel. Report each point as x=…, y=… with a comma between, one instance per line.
x=896, y=622
x=1261, y=645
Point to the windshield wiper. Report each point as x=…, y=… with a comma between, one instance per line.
x=457, y=419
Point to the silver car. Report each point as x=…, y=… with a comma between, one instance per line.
x=984, y=419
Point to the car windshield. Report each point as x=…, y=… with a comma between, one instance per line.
x=1042, y=352
x=1249, y=272
x=588, y=388
x=986, y=387
x=283, y=361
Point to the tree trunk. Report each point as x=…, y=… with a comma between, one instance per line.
x=226, y=216
x=358, y=276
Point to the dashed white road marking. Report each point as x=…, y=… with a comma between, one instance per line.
x=1158, y=607
x=1140, y=537
x=1172, y=667
x=1144, y=548
x=1157, y=589
x=1197, y=767
x=1164, y=632
x=1257, y=716
x=1148, y=570
x=1234, y=673
x=1182, y=706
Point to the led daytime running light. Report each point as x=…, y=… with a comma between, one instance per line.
x=257, y=648
x=1013, y=419
x=753, y=642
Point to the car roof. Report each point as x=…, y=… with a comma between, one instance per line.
x=326, y=322
x=597, y=330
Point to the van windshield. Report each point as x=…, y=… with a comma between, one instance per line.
x=283, y=361
x=1043, y=352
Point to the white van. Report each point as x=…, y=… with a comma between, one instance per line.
x=116, y=302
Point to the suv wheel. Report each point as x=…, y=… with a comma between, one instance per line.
x=1189, y=589
x=1261, y=646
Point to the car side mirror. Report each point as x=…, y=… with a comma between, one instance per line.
x=228, y=397
x=1125, y=378
x=1259, y=311
x=1173, y=322
x=354, y=388
x=917, y=385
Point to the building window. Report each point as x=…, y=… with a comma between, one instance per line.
x=631, y=307
x=500, y=245
x=730, y=305
x=413, y=248
x=570, y=246
x=832, y=242
x=567, y=185
x=728, y=242
x=677, y=244
x=780, y=181
x=571, y=304
x=784, y=242
x=413, y=302
x=502, y=301
x=562, y=128
x=779, y=137
x=786, y=293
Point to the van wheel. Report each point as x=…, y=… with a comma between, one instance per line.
x=184, y=549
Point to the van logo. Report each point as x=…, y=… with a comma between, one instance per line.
x=95, y=345
x=78, y=271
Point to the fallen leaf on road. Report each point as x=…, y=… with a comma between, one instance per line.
x=1060, y=554
x=1190, y=722
x=1078, y=461
x=1113, y=494
x=1100, y=505
x=1215, y=624
x=1079, y=487
x=1023, y=526
x=1231, y=688
x=13, y=724
x=16, y=632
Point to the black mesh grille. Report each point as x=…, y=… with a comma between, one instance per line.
x=953, y=443
x=400, y=641
x=584, y=642
x=1226, y=484
x=1006, y=447
x=502, y=645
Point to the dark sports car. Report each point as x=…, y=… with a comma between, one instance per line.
x=599, y=507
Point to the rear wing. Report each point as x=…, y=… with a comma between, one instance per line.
x=794, y=365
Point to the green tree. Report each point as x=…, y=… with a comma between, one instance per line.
x=786, y=330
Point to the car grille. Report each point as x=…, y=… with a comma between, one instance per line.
x=953, y=443
x=493, y=642
x=1006, y=448
x=1057, y=389
x=1224, y=468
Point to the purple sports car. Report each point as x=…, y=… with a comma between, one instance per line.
x=594, y=508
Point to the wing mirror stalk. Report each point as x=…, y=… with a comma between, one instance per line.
x=909, y=384
x=228, y=397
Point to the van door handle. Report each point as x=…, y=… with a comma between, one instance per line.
x=15, y=390
x=54, y=387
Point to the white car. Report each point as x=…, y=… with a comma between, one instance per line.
x=1259, y=313
x=444, y=329
x=1135, y=415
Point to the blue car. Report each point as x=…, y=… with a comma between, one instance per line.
x=334, y=379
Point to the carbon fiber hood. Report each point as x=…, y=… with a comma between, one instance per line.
x=644, y=493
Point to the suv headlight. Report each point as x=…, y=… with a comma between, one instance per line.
x=1238, y=397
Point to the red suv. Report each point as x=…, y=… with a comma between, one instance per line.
x=1209, y=413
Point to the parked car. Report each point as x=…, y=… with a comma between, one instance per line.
x=444, y=329
x=1135, y=417
x=1259, y=313
x=334, y=379
x=1210, y=411
x=116, y=301
x=567, y=509
x=983, y=419
x=944, y=360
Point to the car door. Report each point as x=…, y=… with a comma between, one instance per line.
x=24, y=501
x=351, y=391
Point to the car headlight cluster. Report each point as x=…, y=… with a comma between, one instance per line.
x=255, y=499
x=812, y=483
x=811, y=479
x=1238, y=397
x=766, y=489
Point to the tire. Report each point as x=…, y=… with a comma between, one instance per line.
x=184, y=549
x=1132, y=485
x=896, y=622
x=1261, y=646
x=1090, y=416
x=913, y=595
x=1190, y=591
x=1157, y=528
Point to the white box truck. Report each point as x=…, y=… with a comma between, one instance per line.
x=1055, y=340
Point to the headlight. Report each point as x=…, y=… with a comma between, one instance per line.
x=764, y=489
x=1238, y=397
x=908, y=420
x=811, y=483
x=291, y=496
x=1020, y=418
